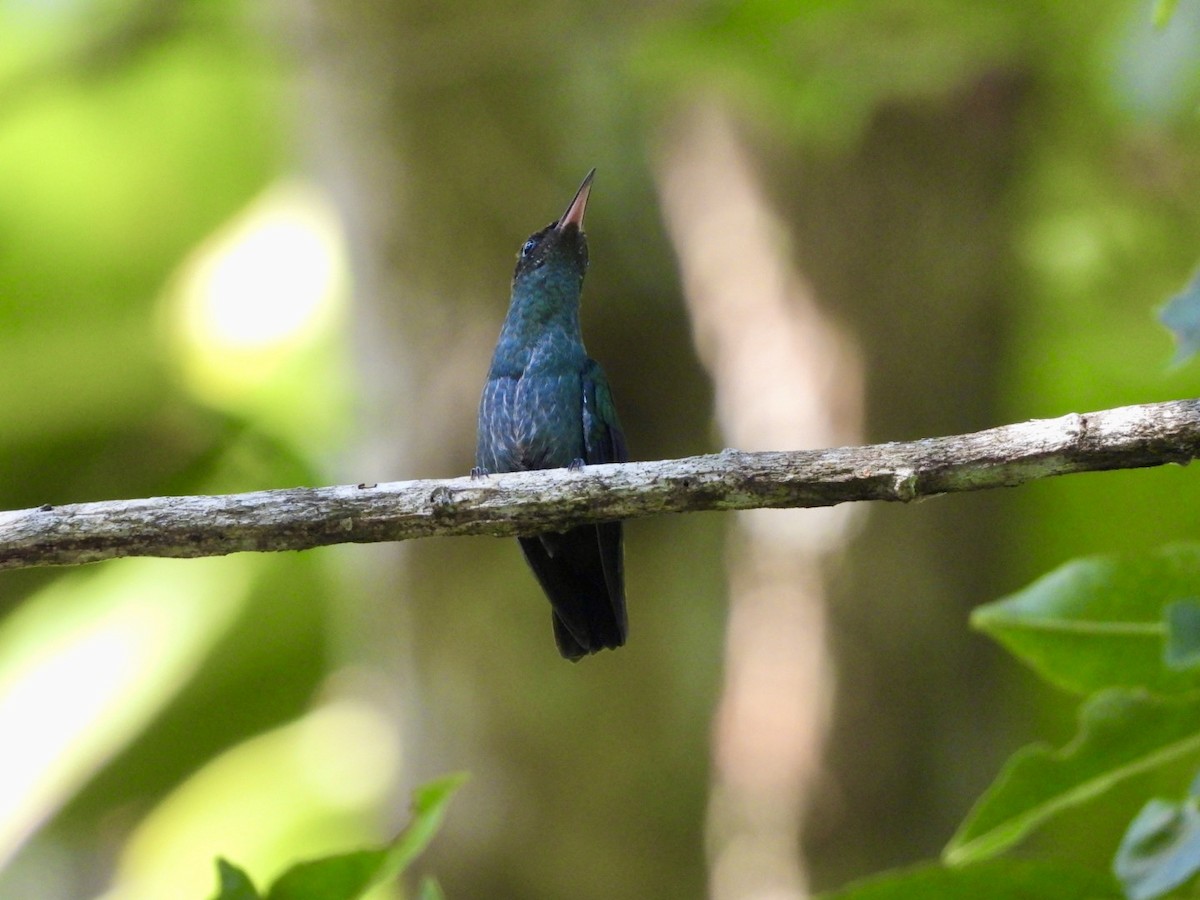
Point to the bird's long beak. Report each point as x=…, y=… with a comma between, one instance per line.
x=574, y=213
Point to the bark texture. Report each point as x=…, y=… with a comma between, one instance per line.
x=530, y=502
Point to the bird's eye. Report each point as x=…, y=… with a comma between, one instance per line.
x=527, y=248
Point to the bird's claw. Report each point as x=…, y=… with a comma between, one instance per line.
x=478, y=472
x=576, y=465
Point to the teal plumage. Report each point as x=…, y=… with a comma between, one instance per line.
x=547, y=405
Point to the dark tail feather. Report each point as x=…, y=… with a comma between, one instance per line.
x=567, y=645
x=582, y=572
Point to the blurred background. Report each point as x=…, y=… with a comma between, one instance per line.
x=253, y=244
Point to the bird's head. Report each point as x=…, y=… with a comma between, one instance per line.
x=560, y=249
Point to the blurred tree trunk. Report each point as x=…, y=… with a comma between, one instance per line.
x=446, y=136
x=784, y=378
x=445, y=133
x=909, y=240
x=905, y=241
x=351, y=108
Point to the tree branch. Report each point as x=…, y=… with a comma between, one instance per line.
x=529, y=502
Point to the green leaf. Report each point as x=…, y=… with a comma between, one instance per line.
x=430, y=890
x=1001, y=879
x=429, y=808
x=1183, y=634
x=1161, y=849
x=1121, y=734
x=1163, y=11
x=233, y=883
x=341, y=877
x=1099, y=622
x=351, y=875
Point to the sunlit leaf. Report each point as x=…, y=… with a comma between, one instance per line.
x=429, y=808
x=1161, y=849
x=1001, y=879
x=350, y=875
x=341, y=877
x=1098, y=622
x=300, y=791
x=1183, y=634
x=1121, y=734
x=1182, y=316
x=233, y=883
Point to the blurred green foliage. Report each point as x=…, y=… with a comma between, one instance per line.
x=145, y=144
x=991, y=880
x=354, y=875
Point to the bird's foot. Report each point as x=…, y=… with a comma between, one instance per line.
x=576, y=465
x=478, y=472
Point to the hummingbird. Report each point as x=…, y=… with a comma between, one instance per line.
x=547, y=405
